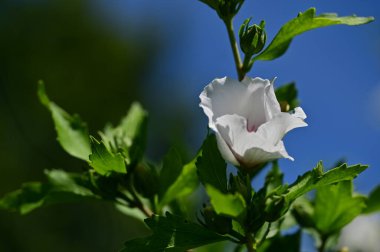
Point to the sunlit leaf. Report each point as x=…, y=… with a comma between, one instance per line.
x=304, y=22
x=129, y=137
x=336, y=206
x=317, y=177
x=71, y=130
x=105, y=162
x=232, y=205
x=280, y=200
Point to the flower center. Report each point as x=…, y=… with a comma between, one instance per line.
x=251, y=128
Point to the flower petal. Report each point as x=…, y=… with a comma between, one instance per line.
x=253, y=99
x=298, y=112
x=247, y=120
x=220, y=97
x=274, y=130
x=225, y=150
x=257, y=155
x=233, y=130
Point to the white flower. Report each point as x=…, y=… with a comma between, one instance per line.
x=362, y=234
x=247, y=120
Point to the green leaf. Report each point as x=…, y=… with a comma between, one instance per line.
x=71, y=130
x=172, y=233
x=146, y=180
x=274, y=179
x=232, y=205
x=287, y=243
x=280, y=200
x=69, y=182
x=129, y=137
x=287, y=96
x=304, y=22
x=103, y=161
x=29, y=197
x=211, y=166
x=171, y=169
x=335, y=207
x=317, y=178
x=132, y=212
x=211, y=3
x=185, y=184
x=61, y=187
x=303, y=212
x=373, y=202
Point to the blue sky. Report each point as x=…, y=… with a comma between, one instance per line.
x=336, y=70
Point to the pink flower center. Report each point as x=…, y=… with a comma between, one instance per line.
x=251, y=128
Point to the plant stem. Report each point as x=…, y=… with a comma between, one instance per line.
x=322, y=247
x=249, y=239
x=140, y=205
x=246, y=61
x=249, y=243
x=234, y=47
x=136, y=202
x=146, y=211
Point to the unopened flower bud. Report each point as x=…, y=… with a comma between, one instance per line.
x=252, y=37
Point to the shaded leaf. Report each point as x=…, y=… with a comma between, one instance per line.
x=304, y=22
x=232, y=205
x=103, y=161
x=287, y=96
x=172, y=233
x=287, y=243
x=211, y=165
x=61, y=187
x=146, y=180
x=373, y=202
x=171, y=168
x=303, y=212
x=335, y=207
x=71, y=130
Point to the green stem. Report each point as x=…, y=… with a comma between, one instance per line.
x=322, y=247
x=136, y=202
x=249, y=238
x=246, y=61
x=250, y=243
x=235, y=49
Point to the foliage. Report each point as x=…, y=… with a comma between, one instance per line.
x=304, y=22
x=61, y=187
x=373, y=203
x=71, y=130
x=116, y=170
x=174, y=234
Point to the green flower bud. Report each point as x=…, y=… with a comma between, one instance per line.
x=229, y=8
x=226, y=9
x=252, y=37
